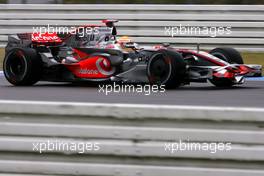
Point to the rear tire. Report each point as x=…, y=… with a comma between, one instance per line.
x=167, y=68
x=22, y=66
x=229, y=55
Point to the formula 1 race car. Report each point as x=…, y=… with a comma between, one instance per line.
x=97, y=55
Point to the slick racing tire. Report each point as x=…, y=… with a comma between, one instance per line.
x=229, y=55
x=221, y=82
x=166, y=68
x=22, y=66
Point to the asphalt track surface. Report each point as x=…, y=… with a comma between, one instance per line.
x=250, y=94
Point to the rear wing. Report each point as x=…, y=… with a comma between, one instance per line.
x=26, y=39
x=18, y=40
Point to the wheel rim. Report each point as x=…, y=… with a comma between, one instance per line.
x=159, y=69
x=15, y=66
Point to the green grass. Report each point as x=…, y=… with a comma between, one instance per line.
x=249, y=58
x=2, y=55
x=254, y=58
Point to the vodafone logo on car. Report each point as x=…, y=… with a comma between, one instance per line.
x=88, y=71
x=104, y=67
x=45, y=37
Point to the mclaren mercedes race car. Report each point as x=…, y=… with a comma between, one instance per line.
x=98, y=55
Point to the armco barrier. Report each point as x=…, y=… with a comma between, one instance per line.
x=146, y=23
x=132, y=139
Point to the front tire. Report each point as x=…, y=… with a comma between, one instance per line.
x=229, y=55
x=22, y=66
x=166, y=67
x=221, y=82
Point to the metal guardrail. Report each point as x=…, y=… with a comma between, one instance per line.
x=146, y=23
x=132, y=139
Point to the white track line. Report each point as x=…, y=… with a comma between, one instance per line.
x=132, y=111
x=1, y=73
x=139, y=106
